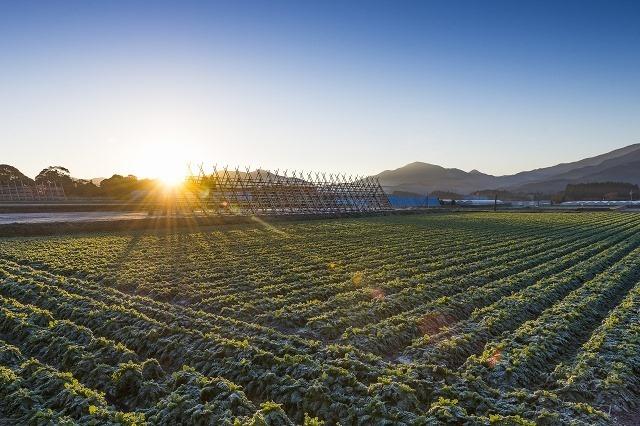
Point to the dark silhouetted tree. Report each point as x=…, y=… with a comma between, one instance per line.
x=11, y=174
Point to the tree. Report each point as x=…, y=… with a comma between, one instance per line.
x=118, y=186
x=11, y=174
x=85, y=188
x=57, y=174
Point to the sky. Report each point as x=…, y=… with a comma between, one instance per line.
x=106, y=87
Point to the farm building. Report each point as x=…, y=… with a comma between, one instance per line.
x=408, y=201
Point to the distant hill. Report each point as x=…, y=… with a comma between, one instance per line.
x=564, y=168
x=620, y=165
x=424, y=177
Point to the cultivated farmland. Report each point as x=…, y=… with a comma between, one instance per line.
x=477, y=318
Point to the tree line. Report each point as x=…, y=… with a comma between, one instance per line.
x=117, y=186
x=600, y=191
x=591, y=191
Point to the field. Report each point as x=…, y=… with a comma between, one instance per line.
x=476, y=318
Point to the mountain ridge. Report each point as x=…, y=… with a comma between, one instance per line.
x=621, y=164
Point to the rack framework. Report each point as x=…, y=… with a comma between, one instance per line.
x=19, y=191
x=262, y=192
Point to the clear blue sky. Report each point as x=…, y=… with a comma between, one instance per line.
x=130, y=87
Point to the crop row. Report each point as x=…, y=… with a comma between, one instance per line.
x=606, y=371
x=220, y=270
x=299, y=382
x=362, y=364
x=393, y=333
x=350, y=314
x=108, y=375
x=452, y=346
x=525, y=358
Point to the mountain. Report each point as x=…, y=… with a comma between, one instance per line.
x=563, y=168
x=424, y=177
x=620, y=165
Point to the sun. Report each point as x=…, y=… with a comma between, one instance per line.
x=166, y=164
x=171, y=178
